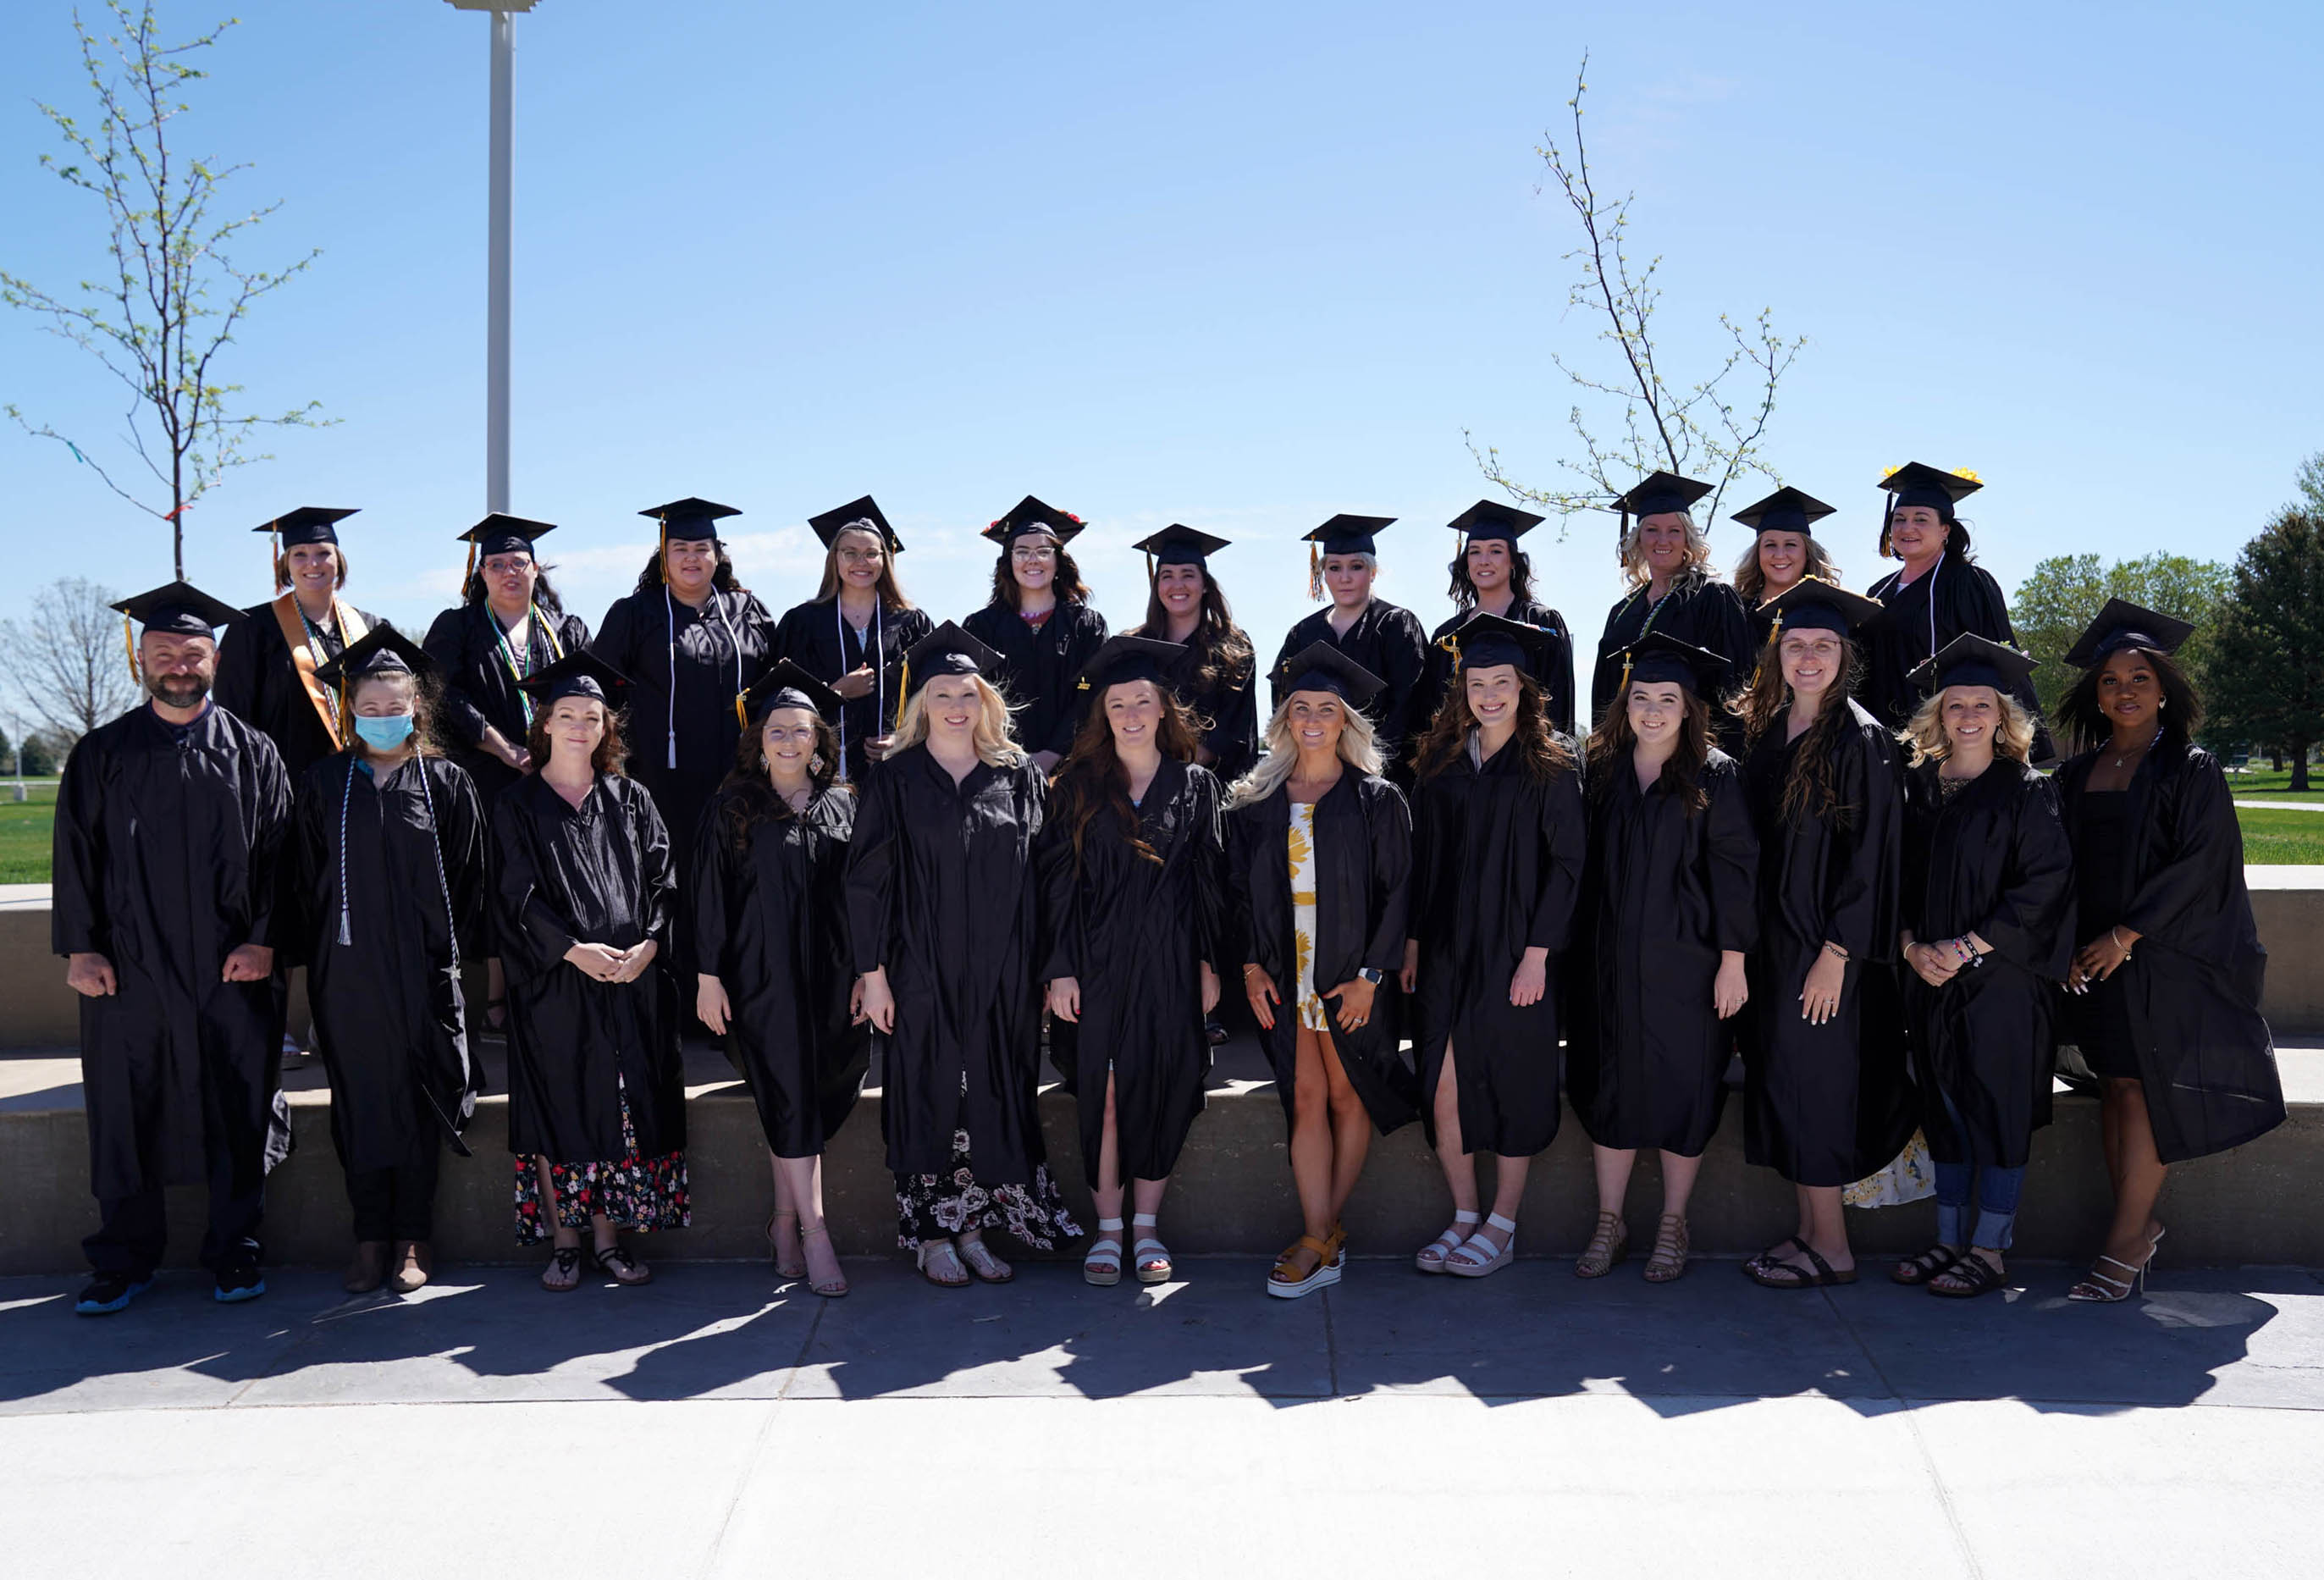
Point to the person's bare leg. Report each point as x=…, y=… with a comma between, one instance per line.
x=564, y=1236
x=799, y=1183
x=2139, y=1179
x=1146, y=1201
x=1509, y=1195
x=1311, y=1144
x=1678, y=1182
x=1451, y=1151
x=1106, y=1195
x=785, y=1227
x=1612, y=1166
x=1608, y=1238
x=1351, y=1132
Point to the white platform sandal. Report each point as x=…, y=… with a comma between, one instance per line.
x=1430, y=1259
x=1102, y=1265
x=1478, y=1257
x=1149, y=1249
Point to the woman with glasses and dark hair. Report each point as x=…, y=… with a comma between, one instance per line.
x=853, y=633
x=1492, y=575
x=1041, y=622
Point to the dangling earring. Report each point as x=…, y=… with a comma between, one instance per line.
x=815, y=763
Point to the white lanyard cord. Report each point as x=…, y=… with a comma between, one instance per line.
x=669, y=625
x=879, y=656
x=434, y=848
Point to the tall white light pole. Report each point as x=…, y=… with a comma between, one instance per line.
x=496, y=288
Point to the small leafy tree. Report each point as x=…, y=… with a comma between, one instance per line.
x=173, y=300
x=2065, y=593
x=2265, y=676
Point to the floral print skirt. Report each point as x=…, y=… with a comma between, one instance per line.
x=937, y=1206
x=1301, y=843
x=636, y=1193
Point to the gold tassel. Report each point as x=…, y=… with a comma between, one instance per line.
x=903, y=694
x=469, y=574
x=129, y=646
x=741, y=709
x=1451, y=642
x=274, y=556
x=662, y=556
x=1315, y=571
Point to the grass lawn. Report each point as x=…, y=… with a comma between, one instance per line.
x=2288, y=836
x=2270, y=786
x=24, y=831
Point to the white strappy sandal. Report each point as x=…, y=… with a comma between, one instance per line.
x=1430, y=1259
x=1102, y=1265
x=1149, y=1249
x=1477, y=1256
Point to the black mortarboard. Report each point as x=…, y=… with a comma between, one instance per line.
x=1658, y=493
x=1347, y=534
x=786, y=685
x=1974, y=661
x=1915, y=484
x=310, y=523
x=831, y=522
x=178, y=609
x=1485, y=640
x=503, y=534
x=1028, y=515
x=1786, y=509
x=690, y=520
x=1131, y=658
x=1177, y=545
x=1320, y=667
x=384, y=651
x=2123, y=623
x=947, y=650
x=1489, y=518
x=1812, y=603
x=579, y=673
x=1660, y=658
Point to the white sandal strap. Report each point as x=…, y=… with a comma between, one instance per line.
x=1139, y=1220
x=1502, y=1224
x=1105, y=1224
x=1464, y=1217
x=1104, y=1254
x=1140, y=1249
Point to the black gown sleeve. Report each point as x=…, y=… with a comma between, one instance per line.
x=528, y=926
x=656, y=870
x=77, y=924
x=268, y=836
x=1861, y=898
x=239, y=654
x=1731, y=857
x=1390, y=899
x=460, y=831
x=1234, y=734
x=872, y=856
x=1206, y=837
x=458, y=713
x=1565, y=843
x=1403, y=665
x=616, y=639
x=1088, y=636
x=2206, y=847
x=1557, y=673
x=1055, y=882
x=756, y=633
x=2037, y=891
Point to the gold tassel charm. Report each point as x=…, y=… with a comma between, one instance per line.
x=469, y=574
x=903, y=694
x=1315, y=571
x=129, y=646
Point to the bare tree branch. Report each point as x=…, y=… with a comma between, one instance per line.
x=68, y=661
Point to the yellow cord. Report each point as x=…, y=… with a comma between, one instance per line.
x=129, y=646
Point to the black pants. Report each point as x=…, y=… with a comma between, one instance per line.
x=398, y=1203
x=134, y=1229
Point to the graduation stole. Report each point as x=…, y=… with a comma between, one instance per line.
x=293, y=625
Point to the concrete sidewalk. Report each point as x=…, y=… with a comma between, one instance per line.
x=1395, y=1425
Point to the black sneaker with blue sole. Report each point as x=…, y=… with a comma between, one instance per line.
x=108, y=1292
x=238, y=1283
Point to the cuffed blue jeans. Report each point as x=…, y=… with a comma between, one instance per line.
x=1993, y=1188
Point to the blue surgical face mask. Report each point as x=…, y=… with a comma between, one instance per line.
x=383, y=732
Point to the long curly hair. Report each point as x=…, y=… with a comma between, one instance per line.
x=1067, y=584
x=1612, y=741
x=1751, y=582
x=1692, y=575
x=747, y=799
x=1463, y=591
x=2084, y=723
x=1766, y=704
x=1924, y=736
x=721, y=575
x=1359, y=749
x=611, y=752
x=1219, y=648
x=1092, y=778
x=1540, y=750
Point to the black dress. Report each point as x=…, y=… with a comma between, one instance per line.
x=1956, y=597
x=1666, y=893
x=1697, y=609
x=2184, y=1016
x=481, y=669
x=258, y=682
x=1556, y=670
x=596, y=1085
x=1134, y=934
x=403, y=858
x=941, y=892
x=1990, y=858
x=818, y=639
x=1828, y=1105
x=1040, y=668
x=1363, y=865
x=1497, y=871
x=2097, y=1022
x=772, y=921
x=1389, y=642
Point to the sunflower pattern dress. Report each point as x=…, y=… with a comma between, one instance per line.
x=1302, y=847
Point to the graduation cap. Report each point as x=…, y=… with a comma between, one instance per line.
x=2123, y=623
x=947, y=650
x=1913, y=484
x=1485, y=640
x=1489, y=519
x=786, y=685
x=1786, y=509
x=177, y=609
x=384, y=651
x=1029, y=515
x=1177, y=545
x=1662, y=659
x=690, y=520
x=499, y=534
x=1658, y=493
x=863, y=512
x=1130, y=658
x=1320, y=667
x=1342, y=534
x=1813, y=603
x=310, y=523
x=579, y=673
x=1968, y=660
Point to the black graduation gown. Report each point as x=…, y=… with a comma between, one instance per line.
x=1994, y=861
x=1700, y=610
x=1389, y=642
x=390, y=1021
x=941, y=892
x=811, y=636
x=166, y=861
x=1226, y=708
x=479, y=690
x=772, y=921
x=258, y=683
x=1497, y=870
x=1826, y=1104
x=601, y=873
x=1557, y=672
x=1663, y=895
x=2190, y=989
x=1363, y=873
x=1134, y=935
x=1040, y=671
x=1957, y=597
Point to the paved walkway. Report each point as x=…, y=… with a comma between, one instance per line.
x=718, y=1424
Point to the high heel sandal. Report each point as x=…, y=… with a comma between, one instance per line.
x=1102, y=1266
x=1608, y=1243
x=1672, y=1244
x=1149, y=1249
x=784, y=1269
x=829, y=1288
x=2095, y=1285
x=1479, y=1257
x=1430, y=1258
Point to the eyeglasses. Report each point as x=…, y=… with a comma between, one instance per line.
x=1032, y=555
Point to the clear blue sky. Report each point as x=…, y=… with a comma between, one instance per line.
x=1239, y=266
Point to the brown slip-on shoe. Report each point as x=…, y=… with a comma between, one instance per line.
x=412, y=1266
x=368, y=1270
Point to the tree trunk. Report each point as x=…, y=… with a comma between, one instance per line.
x=2275, y=759
x=2300, y=765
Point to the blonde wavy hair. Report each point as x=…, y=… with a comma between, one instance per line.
x=1925, y=734
x=996, y=740
x=1751, y=582
x=1359, y=749
x=1698, y=552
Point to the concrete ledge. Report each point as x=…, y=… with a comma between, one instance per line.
x=1232, y=1194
